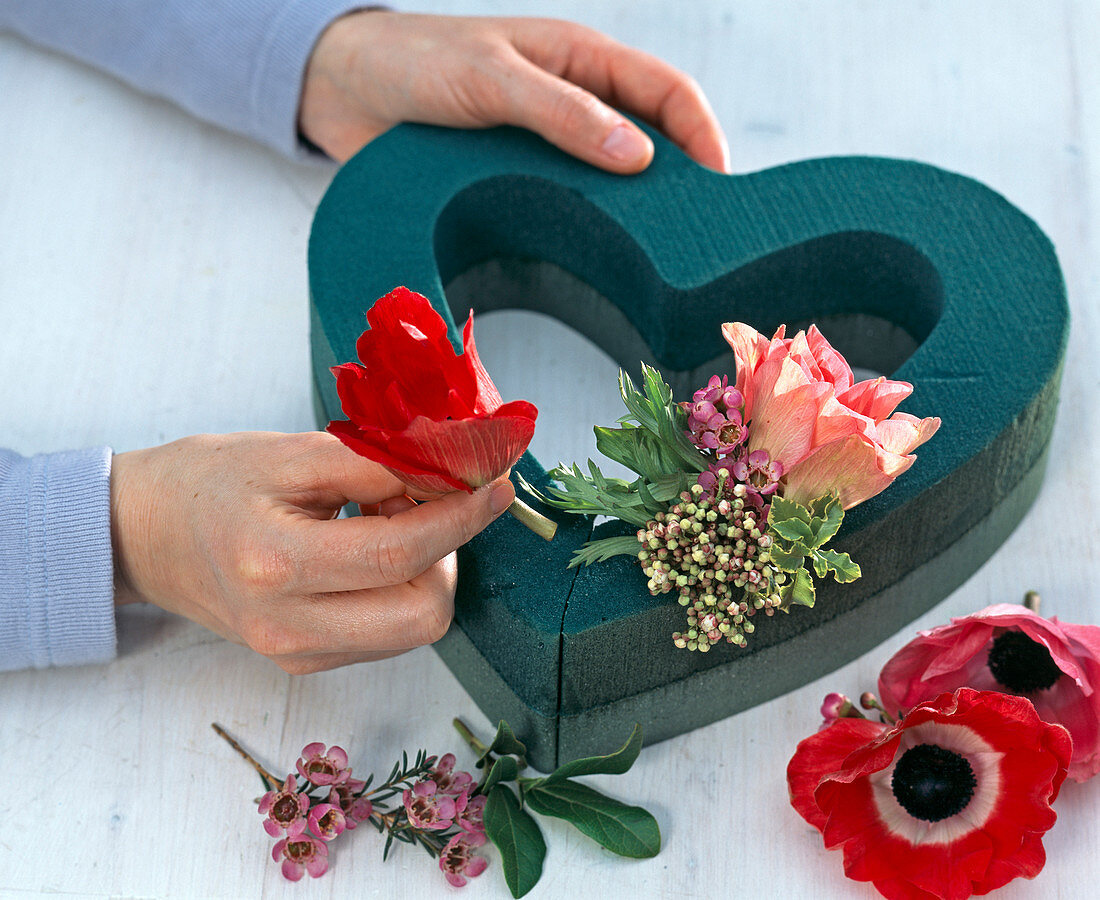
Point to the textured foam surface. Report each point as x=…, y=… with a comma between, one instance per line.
x=909, y=270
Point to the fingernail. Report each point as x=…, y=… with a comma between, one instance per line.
x=624, y=144
x=501, y=498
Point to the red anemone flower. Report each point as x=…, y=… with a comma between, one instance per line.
x=1009, y=648
x=431, y=416
x=951, y=801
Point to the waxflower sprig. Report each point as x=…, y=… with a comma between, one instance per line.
x=448, y=812
x=740, y=489
x=425, y=802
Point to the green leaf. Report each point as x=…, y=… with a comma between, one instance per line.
x=827, y=518
x=799, y=589
x=625, y=830
x=792, y=530
x=504, y=768
x=594, y=494
x=605, y=548
x=612, y=764
x=517, y=838
x=504, y=742
x=787, y=560
x=657, y=413
x=840, y=564
x=783, y=510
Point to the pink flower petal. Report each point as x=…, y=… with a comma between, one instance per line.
x=875, y=398
x=786, y=412
x=853, y=467
x=292, y=871
x=833, y=366
x=476, y=866
x=903, y=433
x=314, y=749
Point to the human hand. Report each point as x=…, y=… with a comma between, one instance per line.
x=371, y=70
x=237, y=532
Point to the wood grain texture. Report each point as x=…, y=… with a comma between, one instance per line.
x=153, y=284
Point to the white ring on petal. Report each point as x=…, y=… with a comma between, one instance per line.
x=985, y=763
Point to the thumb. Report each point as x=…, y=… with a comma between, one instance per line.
x=575, y=120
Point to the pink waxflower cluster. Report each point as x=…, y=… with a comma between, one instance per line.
x=441, y=801
x=439, y=809
x=305, y=822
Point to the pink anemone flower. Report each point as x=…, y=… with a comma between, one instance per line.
x=1011, y=649
x=827, y=432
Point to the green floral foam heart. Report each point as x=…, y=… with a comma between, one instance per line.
x=918, y=273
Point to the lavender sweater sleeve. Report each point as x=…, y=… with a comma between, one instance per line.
x=236, y=63
x=56, y=580
x=239, y=64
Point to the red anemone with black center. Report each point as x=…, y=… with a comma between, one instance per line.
x=951, y=801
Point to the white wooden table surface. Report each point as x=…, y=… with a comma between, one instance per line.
x=153, y=285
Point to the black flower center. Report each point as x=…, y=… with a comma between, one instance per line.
x=931, y=783
x=1022, y=665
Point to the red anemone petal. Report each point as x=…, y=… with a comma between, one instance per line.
x=374, y=444
x=407, y=343
x=473, y=451
x=488, y=397
x=822, y=754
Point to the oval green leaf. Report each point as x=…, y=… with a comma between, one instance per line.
x=517, y=837
x=625, y=830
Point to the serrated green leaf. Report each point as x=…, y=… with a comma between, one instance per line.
x=612, y=764
x=504, y=768
x=604, y=549
x=792, y=530
x=625, y=830
x=840, y=564
x=787, y=560
x=517, y=838
x=821, y=567
x=799, y=590
x=783, y=510
x=826, y=523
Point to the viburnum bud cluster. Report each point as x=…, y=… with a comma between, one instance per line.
x=713, y=552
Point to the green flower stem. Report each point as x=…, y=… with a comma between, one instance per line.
x=470, y=738
x=545, y=528
x=1031, y=601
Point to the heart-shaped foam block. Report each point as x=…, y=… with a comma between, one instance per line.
x=909, y=270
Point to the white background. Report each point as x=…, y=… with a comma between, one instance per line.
x=153, y=285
